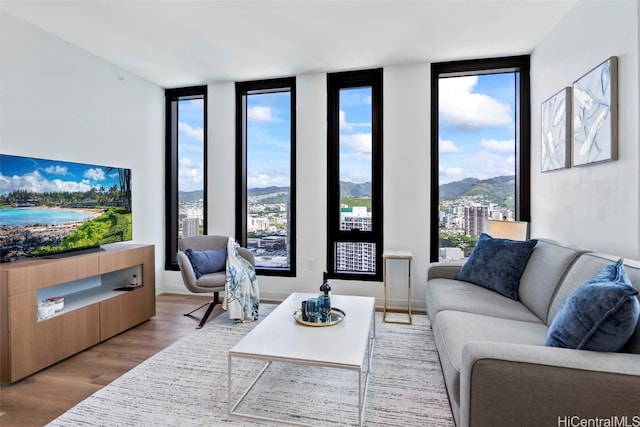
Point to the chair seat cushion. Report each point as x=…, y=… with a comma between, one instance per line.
x=209, y=261
x=213, y=281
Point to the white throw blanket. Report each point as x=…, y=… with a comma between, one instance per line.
x=242, y=295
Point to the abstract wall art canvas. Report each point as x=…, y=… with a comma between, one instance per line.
x=595, y=115
x=556, y=131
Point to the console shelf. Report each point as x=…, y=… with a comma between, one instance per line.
x=93, y=311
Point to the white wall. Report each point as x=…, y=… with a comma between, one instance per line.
x=594, y=206
x=59, y=102
x=406, y=183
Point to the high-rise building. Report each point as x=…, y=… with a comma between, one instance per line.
x=190, y=227
x=355, y=256
x=474, y=217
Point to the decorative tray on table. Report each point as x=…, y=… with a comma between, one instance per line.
x=336, y=317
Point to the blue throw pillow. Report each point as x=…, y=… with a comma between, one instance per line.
x=497, y=264
x=600, y=315
x=204, y=262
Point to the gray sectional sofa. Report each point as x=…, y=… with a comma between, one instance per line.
x=497, y=370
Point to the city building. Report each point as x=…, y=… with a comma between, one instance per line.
x=474, y=217
x=355, y=256
x=190, y=227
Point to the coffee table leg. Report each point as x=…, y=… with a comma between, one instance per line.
x=229, y=382
x=362, y=396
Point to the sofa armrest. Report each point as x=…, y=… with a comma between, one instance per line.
x=443, y=270
x=510, y=384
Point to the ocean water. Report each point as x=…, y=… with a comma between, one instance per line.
x=25, y=216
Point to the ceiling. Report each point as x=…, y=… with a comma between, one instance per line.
x=176, y=43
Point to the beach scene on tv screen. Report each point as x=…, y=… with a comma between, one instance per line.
x=51, y=206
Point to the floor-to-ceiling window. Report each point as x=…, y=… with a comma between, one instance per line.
x=265, y=181
x=480, y=141
x=186, y=166
x=354, y=172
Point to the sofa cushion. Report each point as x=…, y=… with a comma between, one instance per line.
x=600, y=315
x=543, y=274
x=209, y=261
x=497, y=264
x=456, y=295
x=452, y=330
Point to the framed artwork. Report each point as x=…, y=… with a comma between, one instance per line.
x=595, y=115
x=556, y=131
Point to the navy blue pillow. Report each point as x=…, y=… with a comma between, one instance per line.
x=204, y=262
x=497, y=264
x=600, y=315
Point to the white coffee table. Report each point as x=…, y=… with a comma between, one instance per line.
x=280, y=338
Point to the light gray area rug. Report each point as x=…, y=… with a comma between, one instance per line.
x=186, y=385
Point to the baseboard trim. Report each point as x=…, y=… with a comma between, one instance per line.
x=393, y=305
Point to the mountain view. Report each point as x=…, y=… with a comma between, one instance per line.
x=497, y=190
x=348, y=189
x=493, y=190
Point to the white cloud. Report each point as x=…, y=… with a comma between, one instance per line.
x=348, y=126
x=271, y=178
x=508, y=146
x=94, y=174
x=343, y=122
x=357, y=159
x=355, y=175
x=57, y=170
x=185, y=162
x=483, y=165
x=447, y=146
x=460, y=106
x=451, y=174
x=190, y=175
x=359, y=142
x=195, y=133
x=261, y=114
x=36, y=183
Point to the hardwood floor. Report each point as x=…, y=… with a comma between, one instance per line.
x=43, y=396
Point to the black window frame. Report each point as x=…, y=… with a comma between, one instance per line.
x=335, y=82
x=172, y=96
x=242, y=90
x=519, y=63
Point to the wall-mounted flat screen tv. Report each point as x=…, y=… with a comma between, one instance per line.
x=49, y=207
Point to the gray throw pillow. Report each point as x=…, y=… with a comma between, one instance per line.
x=600, y=315
x=205, y=262
x=497, y=264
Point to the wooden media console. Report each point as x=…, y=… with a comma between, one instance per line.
x=93, y=310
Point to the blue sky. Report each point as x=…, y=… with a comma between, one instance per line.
x=355, y=135
x=268, y=140
x=477, y=125
x=191, y=145
x=41, y=176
